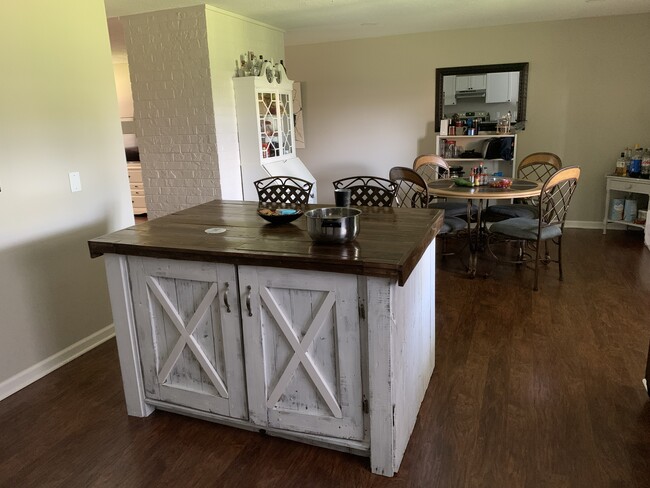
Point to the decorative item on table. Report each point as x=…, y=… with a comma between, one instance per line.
x=279, y=213
x=498, y=182
x=333, y=224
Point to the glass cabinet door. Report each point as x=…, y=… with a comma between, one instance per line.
x=275, y=122
x=286, y=123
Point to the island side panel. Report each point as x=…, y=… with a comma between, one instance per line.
x=401, y=357
x=119, y=288
x=413, y=347
x=380, y=388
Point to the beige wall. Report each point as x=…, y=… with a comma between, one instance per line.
x=369, y=104
x=58, y=113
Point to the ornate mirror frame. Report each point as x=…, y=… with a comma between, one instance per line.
x=481, y=69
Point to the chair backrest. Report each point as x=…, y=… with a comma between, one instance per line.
x=431, y=167
x=412, y=190
x=283, y=189
x=369, y=191
x=538, y=166
x=556, y=195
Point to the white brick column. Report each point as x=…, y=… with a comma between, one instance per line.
x=173, y=108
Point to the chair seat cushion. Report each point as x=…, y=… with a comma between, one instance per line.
x=451, y=225
x=453, y=209
x=495, y=213
x=523, y=228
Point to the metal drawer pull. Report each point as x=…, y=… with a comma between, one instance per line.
x=225, y=298
x=248, y=301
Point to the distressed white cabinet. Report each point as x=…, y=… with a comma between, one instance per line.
x=189, y=334
x=333, y=351
x=300, y=332
x=303, y=351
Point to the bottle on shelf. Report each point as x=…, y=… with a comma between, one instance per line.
x=621, y=166
x=635, y=162
x=645, y=165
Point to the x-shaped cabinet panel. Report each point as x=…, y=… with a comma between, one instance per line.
x=193, y=355
x=304, y=366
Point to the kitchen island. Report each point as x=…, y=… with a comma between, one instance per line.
x=222, y=316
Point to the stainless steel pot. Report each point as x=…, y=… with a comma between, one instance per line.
x=333, y=224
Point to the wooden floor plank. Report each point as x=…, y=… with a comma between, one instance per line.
x=531, y=389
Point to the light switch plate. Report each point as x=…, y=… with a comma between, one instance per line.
x=75, y=182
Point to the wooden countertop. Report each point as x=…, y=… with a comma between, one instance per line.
x=390, y=243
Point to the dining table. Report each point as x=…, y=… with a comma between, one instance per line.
x=449, y=189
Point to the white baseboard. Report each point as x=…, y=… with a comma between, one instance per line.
x=36, y=372
x=583, y=224
x=598, y=224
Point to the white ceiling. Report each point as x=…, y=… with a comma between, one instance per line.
x=311, y=21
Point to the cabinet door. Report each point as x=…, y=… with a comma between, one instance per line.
x=477, y=82
x=303, y=351
x=463, y=83
x=189, y=334
x=276, y=124
x=498, y=88
x=449, y=89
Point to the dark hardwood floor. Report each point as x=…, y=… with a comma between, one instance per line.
x=531, y=389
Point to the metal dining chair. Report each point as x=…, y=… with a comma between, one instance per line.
x=283, y=189
x=534, y=167
x=548, y=226
x=412, y=191
x=369, y=191
x=432, y=167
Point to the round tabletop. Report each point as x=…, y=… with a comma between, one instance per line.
x=519, y=189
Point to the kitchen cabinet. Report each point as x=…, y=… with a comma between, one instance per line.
x=470, y=82
x=449, y=89
x=502, y=87
x=477, y=144
x=137, y=188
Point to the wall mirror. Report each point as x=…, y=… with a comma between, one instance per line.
x=490, y=90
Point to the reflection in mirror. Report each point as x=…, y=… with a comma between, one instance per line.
x=486, y=92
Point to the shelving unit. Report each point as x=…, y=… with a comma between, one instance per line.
x=624, y=184
x=469, y=143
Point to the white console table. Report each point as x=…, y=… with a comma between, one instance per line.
x=628, y=185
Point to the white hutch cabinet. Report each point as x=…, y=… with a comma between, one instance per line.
x=264, y=107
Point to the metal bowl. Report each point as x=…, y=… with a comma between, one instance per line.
x=333, y=224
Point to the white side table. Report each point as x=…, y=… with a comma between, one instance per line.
x=629, y=185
